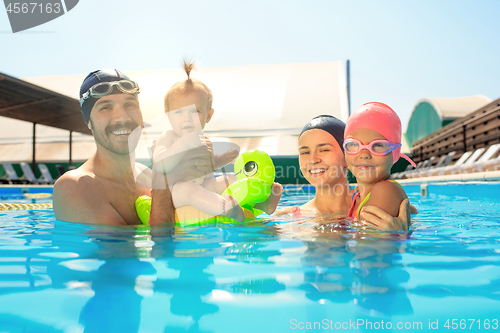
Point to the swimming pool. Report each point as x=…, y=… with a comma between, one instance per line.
x=274, y=275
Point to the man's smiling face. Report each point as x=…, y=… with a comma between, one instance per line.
x=112, y=119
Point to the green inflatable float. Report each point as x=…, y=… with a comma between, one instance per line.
x=255, y=174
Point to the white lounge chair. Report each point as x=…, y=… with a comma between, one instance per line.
x=46, y=176
x=28, y=173
x=449, y=169
x=413, y=172
x=424, y=170
x=458, y=166
x=445, y=160
x=401, y=174
x=486, y=162
x=474, y=157
x=461, y=160
x=11, y=174
x=420, y=170
x=433, y=170
x=492, y=150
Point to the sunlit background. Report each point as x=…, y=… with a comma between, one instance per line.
x=400, y=52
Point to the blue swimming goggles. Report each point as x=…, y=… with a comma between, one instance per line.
x=105, y=88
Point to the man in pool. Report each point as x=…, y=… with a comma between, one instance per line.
x=104, y=189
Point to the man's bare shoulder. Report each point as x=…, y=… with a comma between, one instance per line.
x=74, y=195
x=73, y=178
x=72, y=182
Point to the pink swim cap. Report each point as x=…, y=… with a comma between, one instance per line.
x=382, y=119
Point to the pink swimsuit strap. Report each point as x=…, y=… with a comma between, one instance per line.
x=353, y=203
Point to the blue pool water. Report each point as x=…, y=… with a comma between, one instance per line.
x=272, y=275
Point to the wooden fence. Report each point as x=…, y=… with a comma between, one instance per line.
x=478, y=129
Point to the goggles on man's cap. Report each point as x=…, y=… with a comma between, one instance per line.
x=105, y=88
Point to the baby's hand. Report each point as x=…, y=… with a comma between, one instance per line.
x=231, y=155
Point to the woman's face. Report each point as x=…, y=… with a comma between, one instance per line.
x=320, y=157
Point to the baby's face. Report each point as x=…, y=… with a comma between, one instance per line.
x=189, y=113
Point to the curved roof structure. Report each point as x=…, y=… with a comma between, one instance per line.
x=431, y=114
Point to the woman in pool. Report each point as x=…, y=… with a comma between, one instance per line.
x=322, y=162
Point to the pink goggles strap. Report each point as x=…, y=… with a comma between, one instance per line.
x=408, y=159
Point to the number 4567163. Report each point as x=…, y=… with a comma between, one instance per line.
x=471, y=324
x=33, y=7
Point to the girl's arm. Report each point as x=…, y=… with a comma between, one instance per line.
x=387, y=196
x=380, y=220
x=388, y=208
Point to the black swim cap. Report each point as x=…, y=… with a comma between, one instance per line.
x=329, y=124
x=102, y=75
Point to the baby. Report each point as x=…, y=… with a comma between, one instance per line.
x=188, y=105
x=372, y=144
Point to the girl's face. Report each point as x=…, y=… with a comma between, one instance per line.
x=366, y=167
x=189, y=113
x=320, y=157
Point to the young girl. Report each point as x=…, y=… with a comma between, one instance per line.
x=188, y=105
x=372, y=144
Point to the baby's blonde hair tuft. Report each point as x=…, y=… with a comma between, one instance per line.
x=188, y=86
x=188, y=67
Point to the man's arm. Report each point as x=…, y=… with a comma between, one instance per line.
x=168, y=152
x=162, y=207
x=194, y=164
x=76, y=200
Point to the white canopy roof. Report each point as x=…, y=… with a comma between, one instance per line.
x=457, y=107
x=257, y=107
